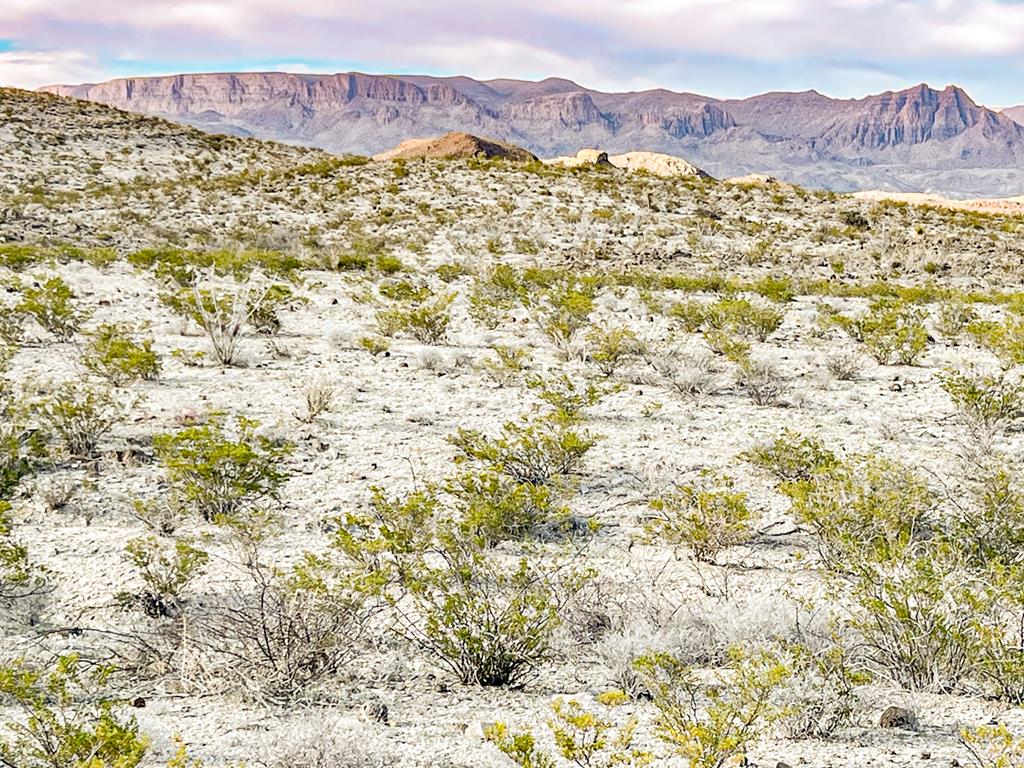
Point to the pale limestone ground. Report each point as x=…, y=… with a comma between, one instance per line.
x=393, y=414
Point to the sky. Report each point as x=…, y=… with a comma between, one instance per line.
x=723, y=48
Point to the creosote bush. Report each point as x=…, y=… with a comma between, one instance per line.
x=791, y=457
x=708, y=722
x=115, y=353
x=79, y=415
x=166, y=569
x=891, y=329
x=706, y=516
x=220, y=468
x=489, y=620
x=582, y=737
x=52, y=304
x=66, y=719
x=425, y=319
x=987, y=403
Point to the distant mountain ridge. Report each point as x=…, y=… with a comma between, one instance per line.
x=918, y=139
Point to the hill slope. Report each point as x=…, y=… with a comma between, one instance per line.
x=919, y=139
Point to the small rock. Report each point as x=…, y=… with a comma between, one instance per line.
x=898, y=717
x=375, y=711
x=479, y=730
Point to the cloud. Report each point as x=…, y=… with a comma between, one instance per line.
x=602, y=43
x=30, y=69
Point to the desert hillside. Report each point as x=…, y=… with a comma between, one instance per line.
x=919, y=139
x=314, y=461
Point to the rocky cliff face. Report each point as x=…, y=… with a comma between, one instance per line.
x=919, y=139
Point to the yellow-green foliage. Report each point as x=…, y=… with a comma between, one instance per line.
x=707, y=516
x=66, y=719
x=117, y=354
x=709, y=721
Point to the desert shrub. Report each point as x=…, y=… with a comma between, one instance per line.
x=890, y=329
x=318, y=398
x=845, y=366
x=691, y=314
x=488, y=621
x=223, y=310
x=990, y=526
x=217, y=470
x=11, y=325
x=709, y=722
x=729, y=345
x=495, y=294
x=165, y=570
x=610, y=347
x=992, y=746
x=494, y=508
x=184, y=268
x=987, y=403
x=21, y=445
x=741, y=318
x=819, y=696
x=116, y=353
x=79, y=415
x=542, y=451
x=863, y=508
x=66, y=719
x=375, y=345
x=1005, y=340
x=954, y=317
x=505, y=366
x=910, y=608
x=996, y=606
x=426, y=321
x=706, y=516
x=687, y=374
x=52, y=304
x=19, y=576
x=582, y=737
x=562, y=310
x=791, y=457
x=264, y=315
x=761, y=380
x=568, y=396
x=283, y=635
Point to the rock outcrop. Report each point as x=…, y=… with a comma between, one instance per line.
x=456, y=145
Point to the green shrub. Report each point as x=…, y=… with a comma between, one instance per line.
x=542, y=451
x=988, y=404
x=709, y=723
x=863, y=508
x=115, y=353
x=610, y=347
x=1004, y=340
x=790, y=457
x=819, y=696
x=52, y=304
x=891, y=328
x=506, y=366
x=954, y=317
x=582, y=737
x=65, y=719
x=706, y=517
x=691, y=314
x=79, y=415
x=992, y=746
x=165, y=570
x=726, y=343
x=566, y=395
x=911, y=608
x=488, y=621
x=562, y=309
x=741, y=318
x=495, y=294
x=19, y=577
x=217, y=471
x=426, y=321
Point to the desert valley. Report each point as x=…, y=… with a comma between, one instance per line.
x=486, y=451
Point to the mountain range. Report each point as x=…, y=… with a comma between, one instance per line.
x=916, y=140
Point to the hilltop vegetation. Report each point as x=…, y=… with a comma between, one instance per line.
x=315, y=461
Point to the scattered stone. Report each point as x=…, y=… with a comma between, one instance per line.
x=898, y=717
